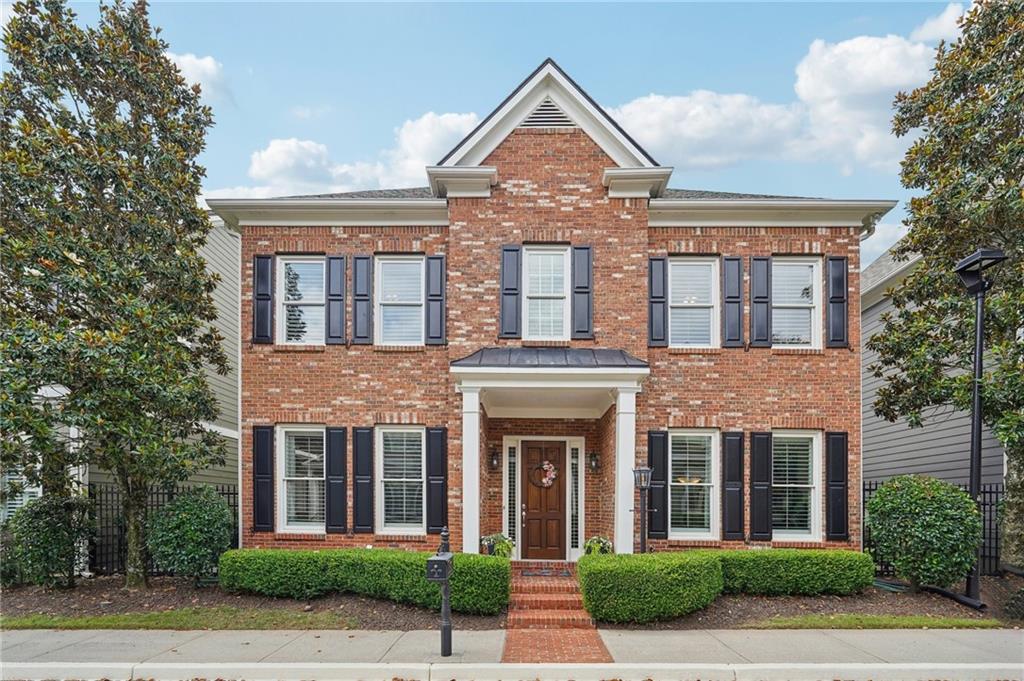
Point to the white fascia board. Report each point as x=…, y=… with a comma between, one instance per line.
x=548, y=377
x=547, y=82
x=768, y=213
x=462, y=182
x=626, y=183
x=548, y=413
x=872, y=295
x=331, y=212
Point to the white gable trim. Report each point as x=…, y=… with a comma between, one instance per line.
x=548, y=81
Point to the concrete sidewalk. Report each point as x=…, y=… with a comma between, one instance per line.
x=323, y=655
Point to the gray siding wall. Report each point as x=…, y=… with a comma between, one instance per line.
x=940, y=448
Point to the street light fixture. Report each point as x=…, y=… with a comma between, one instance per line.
x=971, y=272
x=642, y=479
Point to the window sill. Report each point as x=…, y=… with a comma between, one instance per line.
x=793, y=543
x=797, y=351
x=399, y=348
x=299, y=535
x=694, y=542
x=546, y=344
x=392, y=536
x=299, y=348
x=694, y=351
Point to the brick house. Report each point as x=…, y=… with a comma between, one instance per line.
x=498, y=351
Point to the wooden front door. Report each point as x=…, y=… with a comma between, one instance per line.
x=543, y=532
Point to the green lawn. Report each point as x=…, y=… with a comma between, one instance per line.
x=221, y=617
x=852, y=621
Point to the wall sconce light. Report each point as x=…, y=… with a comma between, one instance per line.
x=593, y=462
x=495, y=460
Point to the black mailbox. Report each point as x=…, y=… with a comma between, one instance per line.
x=439, y=567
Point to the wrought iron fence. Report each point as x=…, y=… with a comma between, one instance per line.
x=109, y=547
x=991, y=496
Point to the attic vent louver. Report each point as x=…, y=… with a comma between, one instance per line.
x=547, y=115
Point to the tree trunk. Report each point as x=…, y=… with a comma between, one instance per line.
x=135, y=517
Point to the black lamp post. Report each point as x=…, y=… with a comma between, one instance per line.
x=642, y=478
x=970, y=270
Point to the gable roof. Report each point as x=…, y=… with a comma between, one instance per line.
x=549, y=81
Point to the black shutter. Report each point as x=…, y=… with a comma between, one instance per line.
x=335, y=311
x=760, y=302
x=657, y=303
x=657, y=505
x=263, y=478
x=836, y=315
x=437, y=479
x=511, y=298
x=732, y=302
x=435, y=313
x=337, y=475
x=263, y=299
x=582, y=292
x=732, y=485
x=362, y=473
x=362, y=300
x=761, y=486
x=836, y=477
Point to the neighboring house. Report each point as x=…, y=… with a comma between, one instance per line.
x=498, y=351
x=942, y=446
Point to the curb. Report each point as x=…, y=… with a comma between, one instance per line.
x=326, y=671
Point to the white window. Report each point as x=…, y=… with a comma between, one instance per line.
x=13, y=502
x=300, y=472
x=693, y=302
x=399, y=300
x=693, y=476
x=796, y=302
x=401, y=505
x=796, y=466
x=546, y=289
x=300, y=295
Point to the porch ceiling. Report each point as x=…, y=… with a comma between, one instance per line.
x=587, y=403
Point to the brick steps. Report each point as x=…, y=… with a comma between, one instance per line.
x=547, y=601
x=549, y=619
x=546, y=595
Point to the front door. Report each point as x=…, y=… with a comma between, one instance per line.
x=543, y=532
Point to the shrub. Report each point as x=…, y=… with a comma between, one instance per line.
x=785, y=572
x=498, y=545
x=48, y=536
x=1014, y=606
x=479, y=584
x=929, y=530
x=10, y=570
x=188, y=535
x=644, y=588
x=598, y=545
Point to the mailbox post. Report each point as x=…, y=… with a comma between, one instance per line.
x=439, y=569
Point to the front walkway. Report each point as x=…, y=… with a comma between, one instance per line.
x=724, y=654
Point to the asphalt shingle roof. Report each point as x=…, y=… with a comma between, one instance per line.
x=569, y=358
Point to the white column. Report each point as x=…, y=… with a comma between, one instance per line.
x=625, y=460
x=470, y=470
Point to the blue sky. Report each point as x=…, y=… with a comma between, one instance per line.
x=768, y=98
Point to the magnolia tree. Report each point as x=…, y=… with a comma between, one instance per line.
x=106, y=306
x=968, y=163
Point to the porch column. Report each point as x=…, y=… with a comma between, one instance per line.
x=625, y=460
x=470, y=470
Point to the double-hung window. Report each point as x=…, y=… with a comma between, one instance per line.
x=546, y=287
x=796, y=467
x=300, y=465
x=401, y=505
x=300, y=292
x=693, y=473
x=399, y=300
x=796, y=302
x=693, y=302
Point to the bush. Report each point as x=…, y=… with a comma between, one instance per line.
x=497, y=545
x=1014, y=606
x=10, y=570
x=479, y=584
x=644, y=588
x=598, y=545
x=48, y=536
x=188, y=535
x=791, y=572
x=927, y=529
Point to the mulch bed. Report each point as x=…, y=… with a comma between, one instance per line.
x=105, y=596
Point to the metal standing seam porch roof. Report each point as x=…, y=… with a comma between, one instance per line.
x=540, y=358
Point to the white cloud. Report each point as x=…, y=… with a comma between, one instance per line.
x=306, y=113
x=206, y=71
x=943, y=26
x=886, y=234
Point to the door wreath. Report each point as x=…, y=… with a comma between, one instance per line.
x=544, y=475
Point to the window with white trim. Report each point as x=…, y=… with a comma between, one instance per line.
x=796, y=302
x=546, y=292
x=693, y=293
x=300, y=468
x=401, y=506
x=399, y=299
x=12, y=478
x=300, y=296
x=796, y=466
x=693, y=476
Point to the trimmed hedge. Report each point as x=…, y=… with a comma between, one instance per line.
x=795, y=572
x=644, y=588
x=479, y=585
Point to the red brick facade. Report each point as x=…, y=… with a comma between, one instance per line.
x=549, y=191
